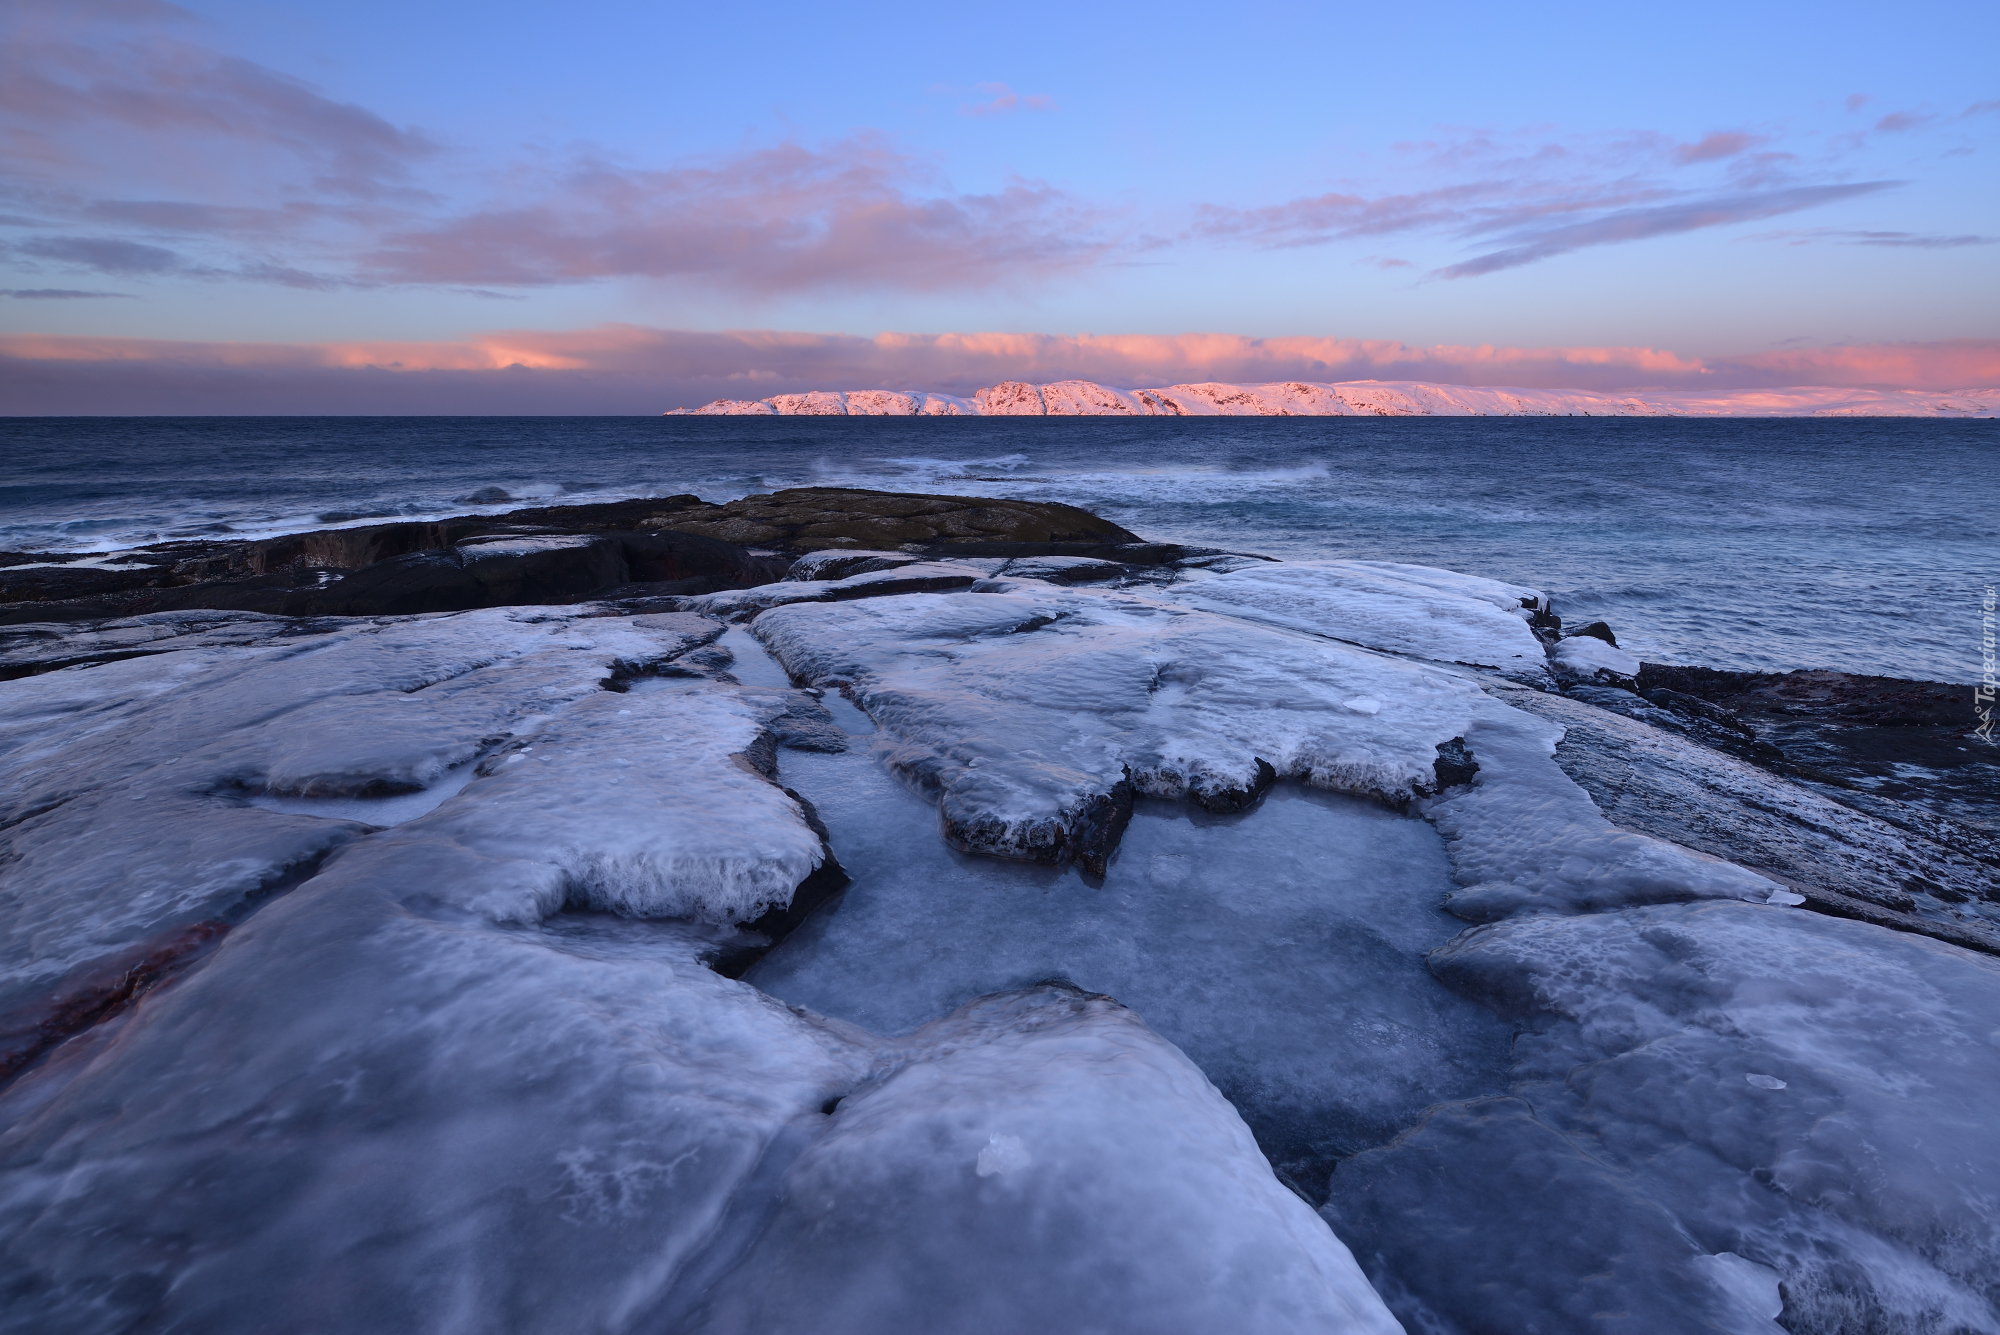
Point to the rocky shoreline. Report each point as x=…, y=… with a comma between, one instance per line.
x=778, y=862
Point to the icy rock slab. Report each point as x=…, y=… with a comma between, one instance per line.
x=124, y=786
x=1417, y=610
x=1036, y=715
x=1523, y=836
x=1810, y=1095
x=1838, y=859
x=1040, y=1160
x=368, y=1116
x=1281, y=949
x=1585, y=658
x=633, y=804
x=44, y=646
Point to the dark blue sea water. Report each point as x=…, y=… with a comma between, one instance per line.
x=1861, y=544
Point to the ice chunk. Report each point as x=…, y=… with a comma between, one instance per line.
x=1416, y=610
x=1003, y=1154
x=1142, y=1206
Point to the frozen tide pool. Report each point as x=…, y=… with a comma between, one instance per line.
x=1281, y=948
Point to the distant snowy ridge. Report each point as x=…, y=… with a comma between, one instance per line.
x=1358, y=398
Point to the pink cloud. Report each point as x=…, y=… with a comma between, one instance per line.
x=787, y=218
x=631, y=369
x=1714, y=146
x=106, y=85
x=1896, y=122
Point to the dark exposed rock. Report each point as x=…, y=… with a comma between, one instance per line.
x=656, y=547
x=1597, y=630
x=1546, y=625
x=1454, y=764
x=1875, y=739
x=807, y=519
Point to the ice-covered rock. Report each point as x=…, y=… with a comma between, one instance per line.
x=1525, y=836
x=1809, y=1095
x=124, y=787
x=883, y=579
x=1036, y=715
x=1917, y=874
x=1585, y=658
x=1406, y=609
x=1039, y=1160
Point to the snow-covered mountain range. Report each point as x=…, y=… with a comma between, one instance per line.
x=1359, y=398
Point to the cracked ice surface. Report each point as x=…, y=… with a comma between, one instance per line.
x=1812, y=1096
x=1417, y=610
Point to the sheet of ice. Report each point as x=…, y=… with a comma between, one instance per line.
x=1282, y=949
x=1810, y=1094
x=1436, y=614
x=1040, y=1161
x=1034, y=714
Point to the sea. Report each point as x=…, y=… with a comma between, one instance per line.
x=1862, y=544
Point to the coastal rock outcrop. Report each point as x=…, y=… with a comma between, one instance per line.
x=665, y=547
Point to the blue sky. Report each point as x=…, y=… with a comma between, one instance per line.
x=1710, y=178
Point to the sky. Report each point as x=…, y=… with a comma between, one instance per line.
x=226, y=205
